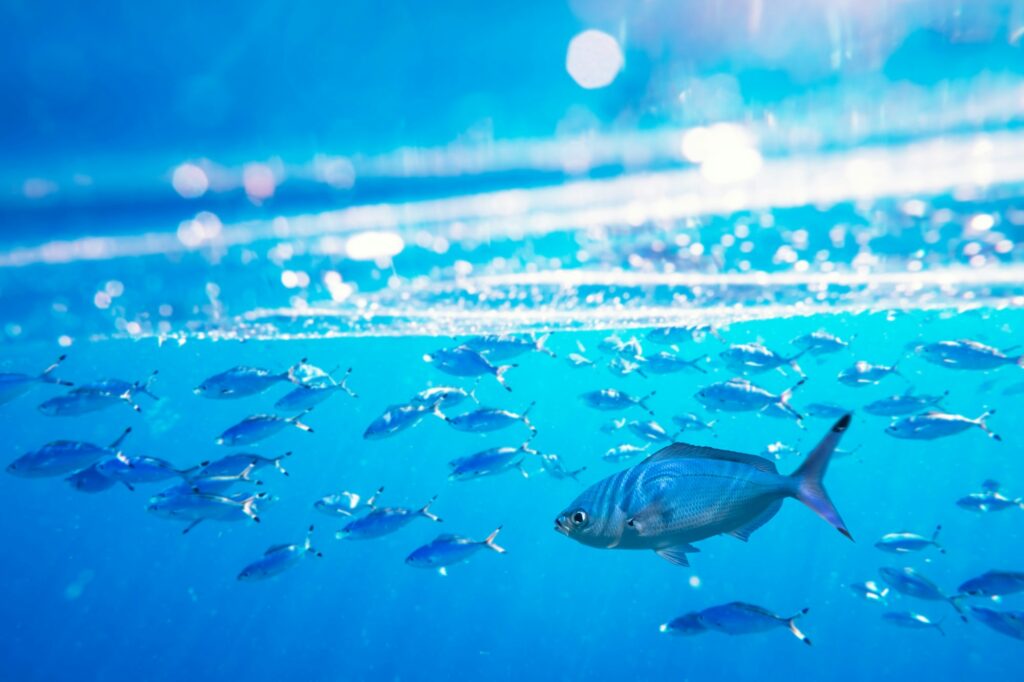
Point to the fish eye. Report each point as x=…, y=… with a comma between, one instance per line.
x=579, y=517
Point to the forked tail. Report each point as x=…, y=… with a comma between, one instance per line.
x=809, y=477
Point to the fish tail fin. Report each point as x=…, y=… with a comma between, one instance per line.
x=372, y=501
x=574, y=475
x=938, y=626
x=191, y=526
x=435, y=408
x=522, y=470
x=45, y=375
x=499, y=374
x=787, y=394
x=791, y=623
x=472, y=392
x=120, y=439
x=935, y=538
x=244, y=476
x=642, y=402
x=696, y=362
x=809, y=477
x=543, y=340
x=955, y=602
x=425, y=511
x=980, y=421
x=308, y=545
x=295, y=421
x=492, y=544
x=279, y=466
x=143, y=386
x=249, y=508
x=343, y=384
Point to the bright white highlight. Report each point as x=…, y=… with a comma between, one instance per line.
x=726, y=153
x=594, y=59
x=190, y=181
x=373, y=245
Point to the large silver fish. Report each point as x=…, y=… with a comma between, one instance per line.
x=686, y=493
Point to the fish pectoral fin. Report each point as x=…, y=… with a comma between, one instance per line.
x=650, y=517
x=743, y=532
x=676, y=555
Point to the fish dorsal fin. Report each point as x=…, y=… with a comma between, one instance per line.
x=681, y=450
x=278, y=548
x=744, y=531
x=676, y=555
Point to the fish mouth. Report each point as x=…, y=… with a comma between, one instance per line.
x=561, y=527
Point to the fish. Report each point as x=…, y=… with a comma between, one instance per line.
x=870, y=591
x=1009, y=623
x=486, y=419
x=669, y=363
x=649, y=430
x=490, y=462
x=610, y=399
x=444, y=396
x=314, y=389
x=686, y=493
x=612, y=426
x=198, y=507
x=739, y=618
x=90, y=480
x=140, y=469
x=236, y=464
x=911, y=583
x=613, y=345
x=501, y=347
x=902, y=543
x=395, y=419
x=15, y=384
x=447, y=550
x=688, y=421
x=966, y=354
x=61, y=457
x=278, y=559
x=98, y=395
x=740, y=395
x=466, y=362
x=820, y=343
x=994, y=584
x=622, y=367
x=933, y=424
x=990, y=500
x=344, y=503
x=683, y=626
x=579, y=360
x=258, y=427
x=674, y=336
x=907, y=403
x=911, y=620
x=554, y=467
x=755, y=358
x=826, y=410
x=863, y=373
x=381, y=521
x=242, y=381
x=624, y=452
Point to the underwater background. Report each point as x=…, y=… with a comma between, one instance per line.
x=187, y=189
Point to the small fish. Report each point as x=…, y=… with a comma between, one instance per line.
x=316, y=387
x=674, y=336
x=578, y=360
x=778, y=450
x=383, y=521
x=669, y=363
x=684, y=626
x=237, y=464
x=140, y=469
x=61, y=457
x=966, y=354
x=13, y=384
x=688, y=421
x=994, y=584
x=686, y=493
x=613, y=345
x=242, y=381
x=739, y=395
x=447, y=550
x=739, y=618
x=1009, y=623
x=901, y=543
x=344, y=503
x=444, y=396
x=624, y=452
x=826, y=410
x=933, y=424
x=912, y=621
x=911, y=583
x=820, y=343
x=90, y=480
x=870, y=591
x=466, y=362
x=755, y=358
x=198, y=507
x=650, y=431
x=490, y=462
x=554, y=467
x=96, y=396
x=395, y=419
x=486, y=419
x=622, y=367
x=279, y=559
x=609, y=399
x=898, y=405
x=864, y=373
x=501, y=347
x=258, y=427
x=612, y=426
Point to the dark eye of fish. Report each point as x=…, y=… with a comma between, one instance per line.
x=579, y=517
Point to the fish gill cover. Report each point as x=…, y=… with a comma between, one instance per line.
x=360, y=341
